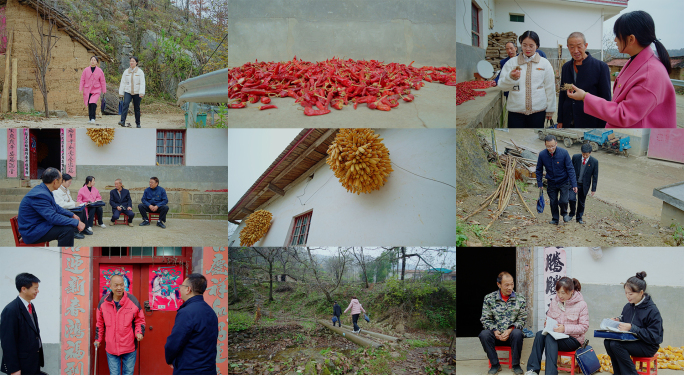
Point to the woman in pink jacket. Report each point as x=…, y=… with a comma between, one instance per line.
x=89, y=194
x=570, y=311
x=356, y=309
x=643, y=96
x=92, y=85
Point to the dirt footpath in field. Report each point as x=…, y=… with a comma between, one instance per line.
x=108, y=121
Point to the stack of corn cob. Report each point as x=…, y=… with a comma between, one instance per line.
x=101, y=136
x=257, y=224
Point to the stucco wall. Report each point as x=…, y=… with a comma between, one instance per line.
x=406, y=210
x=207, y=147
x=129, y=147
x=315, y=30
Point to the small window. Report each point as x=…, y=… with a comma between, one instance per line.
x=475, y=18
x=300, y=230
x=518, y=18
x=170, y=147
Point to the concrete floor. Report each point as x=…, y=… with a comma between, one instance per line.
x=178, y=232
x=472, y=360
x=433, y=107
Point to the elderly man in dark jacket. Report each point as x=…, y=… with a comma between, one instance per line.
x=41, y=219
x=120, y=200
x=191, y=348
x=586, y=73
x=560, y=176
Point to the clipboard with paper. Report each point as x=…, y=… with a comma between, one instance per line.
x=551, y=324
x=609, y=330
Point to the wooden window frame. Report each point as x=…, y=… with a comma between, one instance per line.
x=476, y=33
x=164, y=146
x=296, y=226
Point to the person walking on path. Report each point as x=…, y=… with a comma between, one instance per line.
x=132, y=87
x=356, y=309
x=91, y=86
x=337, y=312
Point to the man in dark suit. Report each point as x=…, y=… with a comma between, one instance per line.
x=586, y=169
x=22, y=348
x=120, y=200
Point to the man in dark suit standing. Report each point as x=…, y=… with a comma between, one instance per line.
x=22, y=348
x=586, y=169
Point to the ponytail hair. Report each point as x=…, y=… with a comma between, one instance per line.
x=88, y=180
x=641, y=25
x=568, y=284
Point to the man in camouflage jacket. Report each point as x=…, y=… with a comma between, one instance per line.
x=503, y=318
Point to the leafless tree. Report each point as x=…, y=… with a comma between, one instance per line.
x=41, y=47
x=326, y=285
x=610, y=49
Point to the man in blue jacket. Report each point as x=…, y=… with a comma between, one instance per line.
x=40, y=219
x=560, y=176
x=154, y=200
x=191, y=348
x=120, y=200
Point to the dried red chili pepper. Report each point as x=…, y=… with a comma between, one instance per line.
x=265, y=100
x=238, y=105
x=253, y=98
x=267, y=107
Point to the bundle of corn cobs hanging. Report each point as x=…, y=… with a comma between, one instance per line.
x=257, y=224
x=101, y=136
x=359, y=159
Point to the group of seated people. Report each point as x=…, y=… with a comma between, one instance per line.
x=48, y=212
x=504, y=313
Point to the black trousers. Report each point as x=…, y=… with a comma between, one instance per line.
x=355, y=318
x=161, y=211
x=82, y=216
x=92, y=108
x=558, y=196
x=116, y=213
x=620, y=352
x=520, y=120
x=339, y=321
x=91, y=216
x=573, y=201
x=489, y=341
x=547, y=343
x=136, y=107
x=64, y=234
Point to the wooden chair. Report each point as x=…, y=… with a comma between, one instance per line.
x=17, y=236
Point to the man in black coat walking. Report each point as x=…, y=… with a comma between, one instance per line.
x=586, y=73
x=337, y=312
x=22, y=348
x=587, y=170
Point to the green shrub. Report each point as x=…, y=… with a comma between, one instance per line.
x=239, y=321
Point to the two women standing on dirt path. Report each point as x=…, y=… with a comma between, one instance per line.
x=132, y=87
x=356, y=309
x=91, y=86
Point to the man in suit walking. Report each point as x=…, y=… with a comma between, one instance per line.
x=586, y=169
x=560, y=177
x=22, y=348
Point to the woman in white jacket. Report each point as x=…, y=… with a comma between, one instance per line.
x=63, y=198
x=132, y=87
x=531, y=83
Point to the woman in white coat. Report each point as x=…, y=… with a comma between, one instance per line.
x=63, y=198
x=531, y=83
x=132, y=87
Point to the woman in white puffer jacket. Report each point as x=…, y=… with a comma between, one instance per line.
x=132, y=87
x=531, y=83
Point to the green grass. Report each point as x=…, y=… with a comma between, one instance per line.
x=238, y=321
x=415, y=343
x=465, y=231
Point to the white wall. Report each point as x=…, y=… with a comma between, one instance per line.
x=560, y=19
x=206, y=147
x=406, y=210
x=463, y=31
x=129, y=147
x=44, y=263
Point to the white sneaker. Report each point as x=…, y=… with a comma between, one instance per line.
x=92, y=121
x=531, y=372
x=103, y=225
x=90, y=229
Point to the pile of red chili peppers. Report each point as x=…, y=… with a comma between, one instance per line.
x=334, y=82
x=466, y=90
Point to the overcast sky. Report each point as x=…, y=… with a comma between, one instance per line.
x=250, y=152
x=448, y=257
x=667, y=15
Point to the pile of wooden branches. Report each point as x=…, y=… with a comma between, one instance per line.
x=503, y=192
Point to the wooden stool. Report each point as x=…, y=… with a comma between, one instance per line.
x=17, y=236
x=573, y=364
x=508, y=360
x=648, y=361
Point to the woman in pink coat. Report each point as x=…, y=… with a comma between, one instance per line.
x=89, y=194
x=356, y=309
x=570, y=311
x=643, y=95
x=92, y=85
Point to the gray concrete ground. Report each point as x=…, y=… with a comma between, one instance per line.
x=433, y=107
x=178, y=232
x=472, y=360
x=148, y=120
x=628, y=182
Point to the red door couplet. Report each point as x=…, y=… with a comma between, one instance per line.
x=33, y=154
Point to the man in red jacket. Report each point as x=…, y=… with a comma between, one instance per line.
x=121, y=316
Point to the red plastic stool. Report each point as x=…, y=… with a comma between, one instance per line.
x=573, y=363
x=153, y=216
x=119, y=222
x=648, y=361
x=501, y=360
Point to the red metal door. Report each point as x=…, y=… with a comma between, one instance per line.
x=666, y=144
x=33, y=148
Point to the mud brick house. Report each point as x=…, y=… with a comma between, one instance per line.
x=70, y=55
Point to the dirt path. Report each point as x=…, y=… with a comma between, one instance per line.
x=147, y=120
